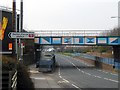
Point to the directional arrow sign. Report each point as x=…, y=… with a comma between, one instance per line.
x=22, y=35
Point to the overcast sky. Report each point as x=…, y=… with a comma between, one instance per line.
x=68, y=14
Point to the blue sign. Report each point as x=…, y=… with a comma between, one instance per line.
x=45, y=40
x=102, y=40
x=67, y=40
x=90, y=40
x=78, y=40
x=56, y=40
x=113, y=40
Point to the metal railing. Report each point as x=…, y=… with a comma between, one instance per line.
x=14, y=81
x=9, y=80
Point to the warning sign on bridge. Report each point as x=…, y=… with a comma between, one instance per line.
x=113, y=40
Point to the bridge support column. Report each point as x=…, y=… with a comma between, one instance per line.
x=37, y=52
x=116, y=50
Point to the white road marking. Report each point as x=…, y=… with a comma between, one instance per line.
x=114, y=80
x=88, y=73
x=91, y=65
x=62, y=82
x=66, y=80
x=107, y=72
x=33, y=71
x=82, y=71
x=60, y=76
x=94, y=75
x=106, y=78
x=99, y=77
x=91, y=74
x=114, y=74
x=37, y=78
x=75, y=86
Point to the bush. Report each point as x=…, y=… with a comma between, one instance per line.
x=23, y=79
x=8, y=63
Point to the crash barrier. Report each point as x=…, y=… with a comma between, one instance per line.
x=109, y=61
x=9, y=80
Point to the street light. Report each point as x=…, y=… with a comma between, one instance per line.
x=115, y=17
x=118, y=20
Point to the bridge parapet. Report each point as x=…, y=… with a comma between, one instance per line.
x=70, y=33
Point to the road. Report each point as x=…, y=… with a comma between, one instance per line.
x=74, y=74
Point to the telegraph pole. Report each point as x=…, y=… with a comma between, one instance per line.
x=14, y=24
x=21, y=29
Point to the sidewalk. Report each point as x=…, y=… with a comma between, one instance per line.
x=42, y=80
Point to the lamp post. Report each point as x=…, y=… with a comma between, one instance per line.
x=114, y=17
x=21, y=30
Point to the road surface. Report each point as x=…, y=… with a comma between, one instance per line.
x=74, y=74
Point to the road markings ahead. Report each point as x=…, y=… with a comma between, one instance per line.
x=75, y=86
x=91, y=74
x=66, y=81
x=38, y=78
x=92, y=65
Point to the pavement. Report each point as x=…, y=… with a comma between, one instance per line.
x=72, y=74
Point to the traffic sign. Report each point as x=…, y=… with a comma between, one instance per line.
x=21, y=35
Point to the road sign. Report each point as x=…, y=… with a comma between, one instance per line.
x=21, y=35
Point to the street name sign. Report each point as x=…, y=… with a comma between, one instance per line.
x=21, y=35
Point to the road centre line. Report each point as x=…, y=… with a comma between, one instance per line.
x=67, y=80
x=91, y=74
x=90, y=65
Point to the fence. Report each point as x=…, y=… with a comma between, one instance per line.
x=109, y=61
x=9, y=80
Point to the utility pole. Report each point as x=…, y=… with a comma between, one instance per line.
x=14, y=24
x=21, y=30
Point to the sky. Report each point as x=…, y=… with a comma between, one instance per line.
x=68, y=14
